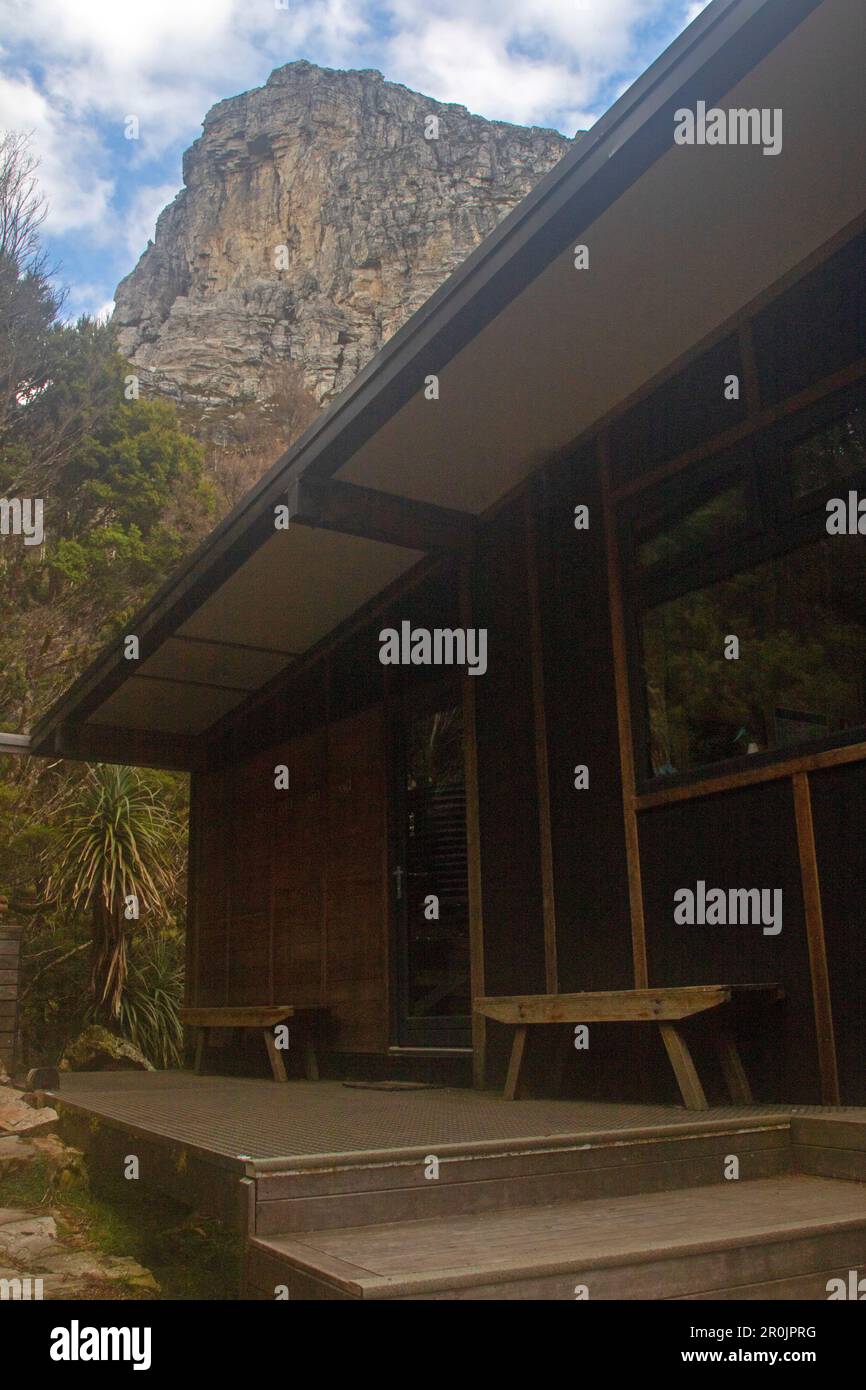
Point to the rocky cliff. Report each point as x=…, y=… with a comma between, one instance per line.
x=317, y=215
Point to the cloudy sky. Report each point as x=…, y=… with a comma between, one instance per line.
x=73, y=71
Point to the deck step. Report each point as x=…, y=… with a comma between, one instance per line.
x=779, y=1237
x=356, y=1193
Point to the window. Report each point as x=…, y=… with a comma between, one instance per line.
x=830, y=456
x=705, y=526
x=743, y=553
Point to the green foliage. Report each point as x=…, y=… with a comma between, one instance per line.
x=152, y=996
x=117, y=837
x=191, y=1257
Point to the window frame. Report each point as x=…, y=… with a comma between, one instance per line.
x=781, y=524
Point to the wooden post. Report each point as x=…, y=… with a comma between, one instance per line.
x=518, y=1052
x=815, y=939
x=623, y=715
x=10, y=947
x=542, y=773
x=473, y=843
x=685, y=1071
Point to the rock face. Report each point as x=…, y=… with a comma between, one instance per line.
x=316, y=217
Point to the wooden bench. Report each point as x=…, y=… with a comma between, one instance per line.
x=667, y=1007
x=264, y=1017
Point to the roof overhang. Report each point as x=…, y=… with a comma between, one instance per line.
x=529, y=352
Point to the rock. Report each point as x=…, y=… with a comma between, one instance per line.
x=27, y=1240
x=67, y=1164
x=18, y=1118
x=43, y=1079
x=15, y=1153
x=129, y=1271
x=29, y=1245
x=96, y=1049
x=330, y=175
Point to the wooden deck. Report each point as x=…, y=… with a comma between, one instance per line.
x=332, y=1188
x=251, y=1121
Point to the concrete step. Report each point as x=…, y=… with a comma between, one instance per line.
x=773, y=1238
x=484, y=1177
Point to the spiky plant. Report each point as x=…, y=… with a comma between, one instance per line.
x=152, y=995
x=117, y=848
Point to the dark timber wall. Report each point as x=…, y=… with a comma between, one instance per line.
x=839, y=809
x=289, y=901
x=593, y=935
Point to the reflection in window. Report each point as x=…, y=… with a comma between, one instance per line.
x=832, y=455
x=703, y=528
x=801, y=624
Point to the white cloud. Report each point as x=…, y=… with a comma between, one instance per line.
x=68, y=154
x=530, y=61
x=139, y=220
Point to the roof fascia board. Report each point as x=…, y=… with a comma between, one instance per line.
x=104, y=743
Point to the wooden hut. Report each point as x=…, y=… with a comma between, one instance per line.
x=607, y=452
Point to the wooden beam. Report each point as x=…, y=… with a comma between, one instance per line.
x=473, y=843
x=102, y=743
x=199, y=685
x=542, y=773
x=815, y=939
x=233, y=646
x=193, y=892
x=243, y=1016
x=381, y=516
x=753, y=776
x=623, y=716
x=17, y=744
x=685, y=1071
x=754, y=423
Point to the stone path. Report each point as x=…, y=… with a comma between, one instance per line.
x=36, y=1259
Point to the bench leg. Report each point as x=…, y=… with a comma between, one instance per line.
x=518, y=1050
x=311, y=1061
x=732, y=1067
x=199, y=1050
x=278, y=1066
x=681, y=1060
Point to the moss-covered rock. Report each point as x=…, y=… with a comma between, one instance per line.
x=96, y=1049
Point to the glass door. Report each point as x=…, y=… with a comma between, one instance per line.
x=429, y=870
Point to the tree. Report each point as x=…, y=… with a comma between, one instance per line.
x=29, y=304
x=119, y=848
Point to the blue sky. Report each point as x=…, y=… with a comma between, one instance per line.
x=73, y=71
